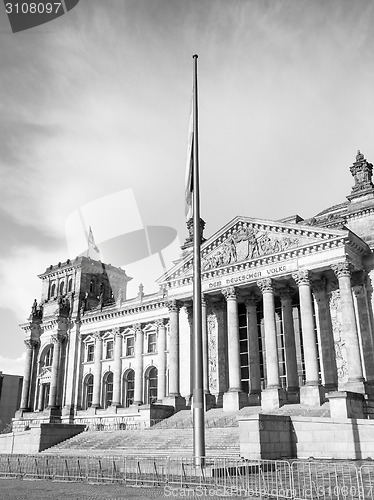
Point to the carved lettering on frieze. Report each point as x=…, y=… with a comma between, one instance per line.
x=247, y=243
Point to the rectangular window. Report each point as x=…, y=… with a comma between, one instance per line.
x=109, y=349
x=151, y=342
x=90, y=352
x=130, y=346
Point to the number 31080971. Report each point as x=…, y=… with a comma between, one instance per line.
x=32, y=8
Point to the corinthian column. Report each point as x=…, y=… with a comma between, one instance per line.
x=273, y=396
x=174, y=398
x=161, y=359
x=31, y=345
x=293, y=389
x=57, y=340
x=138, y=365
x=117, y=367
x=253, y=351
x=355, y=383
x=98, y=353
x=310, y=393
x=234, y=399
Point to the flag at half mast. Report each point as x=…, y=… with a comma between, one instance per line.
x=189, y=167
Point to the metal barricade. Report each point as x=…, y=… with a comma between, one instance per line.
x=367, y=481
x=326, y=481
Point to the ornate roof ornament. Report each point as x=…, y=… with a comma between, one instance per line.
x=362, y=172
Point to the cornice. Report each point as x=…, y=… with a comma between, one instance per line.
x=93, y=317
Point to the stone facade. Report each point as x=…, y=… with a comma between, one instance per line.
x=287, y=318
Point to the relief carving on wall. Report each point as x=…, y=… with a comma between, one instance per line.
x=339, y=343
x=247, y=243
x=212, y=353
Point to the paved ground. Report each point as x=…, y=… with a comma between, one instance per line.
x=17, y=489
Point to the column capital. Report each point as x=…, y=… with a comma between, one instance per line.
x=302, y=277
x=286, y=293
x=116, y=332
x=97, y=336
x=173, y=305
x=31, y=343
x=137, y=327
x=229, y=293
x=342, y=269
x=160, y=323
x=251, y=300
x=189, y=312
x=265, y=285
x=57, y=338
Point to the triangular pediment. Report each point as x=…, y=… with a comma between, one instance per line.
x=245, y=239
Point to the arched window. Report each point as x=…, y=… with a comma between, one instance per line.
x=53, y=289
x=128, y=388
x=88, y=391
x=61, y=288
x=70, y=285
x=151, y=385
x=91, y=286
x=44, y=396
x=48, y=357
x=108, y=390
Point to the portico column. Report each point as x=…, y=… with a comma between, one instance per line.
x=98, y=352
x=273, y=396
x=355, y=382
x=253, y=351
x=117, y=367
x=311, y=393
x=235, y=398
x=174, y=349
x=326, y=337
x=57, y=340
x=174, y=398
x=40, y=397
x=138, y=365
x=359, y=282
x=30, y=349
x=161, y=359
x=293, y=389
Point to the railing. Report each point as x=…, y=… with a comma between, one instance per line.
x=299, y=480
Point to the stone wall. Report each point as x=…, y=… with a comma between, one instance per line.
x=37, y=438
x=277, y=437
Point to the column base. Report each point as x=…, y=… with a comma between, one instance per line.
x=293, y=395
x=254, y=399
x=312, y=395
x=178, y=402
x=234, y=400
x=272, y=398
x=344, y=404
x=210, y=401
x=359, y=386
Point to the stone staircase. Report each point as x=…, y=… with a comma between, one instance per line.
x=174, y=435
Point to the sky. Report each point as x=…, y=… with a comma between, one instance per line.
x=97, y=102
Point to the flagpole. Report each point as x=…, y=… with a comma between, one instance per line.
x=198, y=385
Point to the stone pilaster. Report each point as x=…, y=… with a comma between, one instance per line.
x=293, y=389
x=208, y=397
x=98, y=353
x=311, y=393
x=235, y=398
x=254, y=396
x=273, y=396
x=117, y=369
x=138, y=365
x=355, y=382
